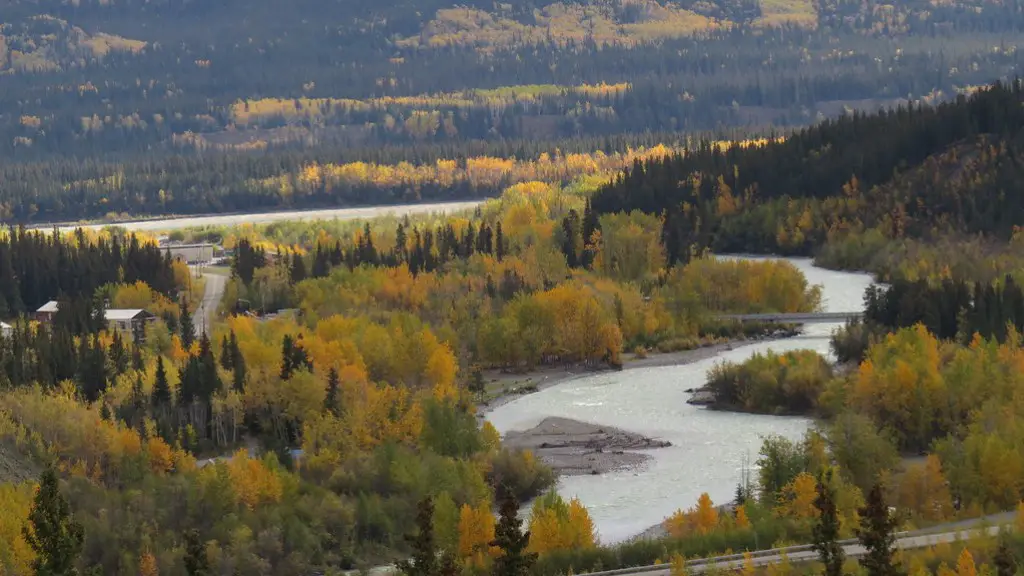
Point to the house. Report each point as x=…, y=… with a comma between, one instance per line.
x=191, y=253
x=129, y=321
x=6, y=330
x=46, y=312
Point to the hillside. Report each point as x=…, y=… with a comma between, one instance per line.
x=918, y=171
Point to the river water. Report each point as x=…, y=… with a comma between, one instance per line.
x=709, y=451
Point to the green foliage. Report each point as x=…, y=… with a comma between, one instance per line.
x=196, y=561
x=778, y=463
x=826, y=528
x=512, y=542
x=424, y=561
x=771, y=383
x=877, y=534
x=450, y=430
x=53, y=534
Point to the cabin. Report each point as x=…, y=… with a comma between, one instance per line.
x=130, y=322
x=191, y=253
x=47, y=312
x=6, y=330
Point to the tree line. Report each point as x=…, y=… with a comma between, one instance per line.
x=898, y=171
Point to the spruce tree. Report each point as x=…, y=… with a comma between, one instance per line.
x=55, y=537
x=499, y=243
x=196, y=561
x=424, y=553
x=186, y=329
x=826, y=530
x=510, y=538
x=877, y=535
x=161, y=388
x=1006, y=564
x=333, y=388
x=226, y=358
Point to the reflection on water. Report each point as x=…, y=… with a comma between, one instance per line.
x=709, y=449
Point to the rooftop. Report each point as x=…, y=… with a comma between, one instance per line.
x=50, y=306
x=116, y=314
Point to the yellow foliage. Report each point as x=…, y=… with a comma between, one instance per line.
x=678, y=567
x=742, y=521
x=476, y=532
x=147, y=565
x=15, y=501
x=253, y=483
x=965, y=564
x=797, y=498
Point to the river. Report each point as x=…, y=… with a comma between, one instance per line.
x=709, y=449
x=271, y=217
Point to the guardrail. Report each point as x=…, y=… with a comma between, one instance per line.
x=706, y=562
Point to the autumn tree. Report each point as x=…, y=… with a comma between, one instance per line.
x=52, y=533
x=424, y=553
x=877, y=534
x=513, y=559
x=826, y=529
x=965, y=564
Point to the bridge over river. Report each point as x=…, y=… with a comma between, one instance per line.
x=796, y=317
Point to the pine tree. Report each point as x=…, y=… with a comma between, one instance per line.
x=1006, y=564
x=238, y=371
x=161, y=388
x=186, y=329
x=510, y=538
x=877, y=535
x=333, y=388
x=196, y=561
x=826, y=530
x=499, y=243
x=54, y=536
x=226, y=359
x=298, y=270
x=209, y=380
x=424, y=555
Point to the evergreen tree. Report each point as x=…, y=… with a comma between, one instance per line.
x=499, y=243
x=510, y=538
x=476, y=381
x=826, y=529
x=209, y=380
x=424, y=553
x=333, y=389
x=55, y=537
x=1006, y=564
x=298, y=269
x=161, y=388
x=186, y=329
x=238, y=370
x=226, y=358
x=196, y=561
x=877, y=535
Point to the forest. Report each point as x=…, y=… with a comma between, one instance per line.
x=148, y=108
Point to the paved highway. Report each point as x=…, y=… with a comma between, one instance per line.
x=212, y=295
x=796, y=554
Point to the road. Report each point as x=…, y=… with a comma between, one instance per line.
x=796, y=554
x=212, y=295
x=270, y=217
